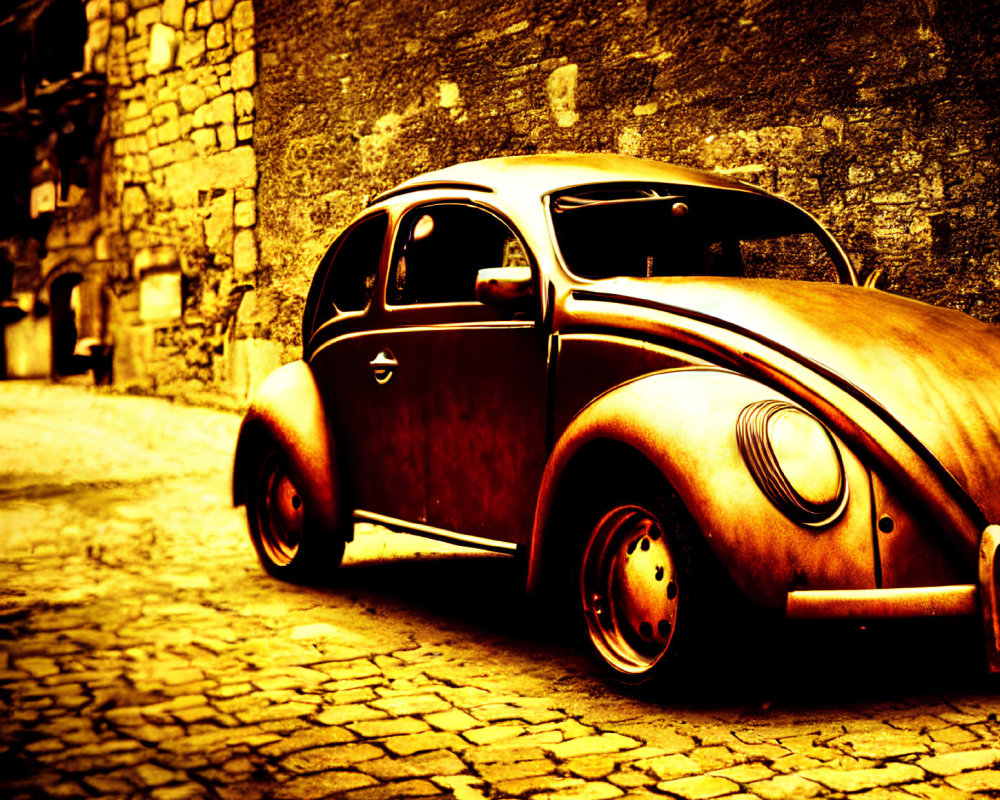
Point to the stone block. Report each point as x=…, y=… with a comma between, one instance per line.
x=244, y=105
x=98, y=34
x=216, y=36
x=222, y=8
x=953, y=763
x=232, y=169
x=244, y=70
x=172, y=13
x=204, y=18
x=244, y=252
x=191, y=97
x=137, y=54
x=856, y=780
x=97, y=9
x=139, y=125
x=191, y=48
x=244, y=131
x=164, y=113
x=243, y=40
x=161, y=156
x=133, y=204
x=561, y=90
x=190, y=18
x=203, y=138
x=160, y=295
x=227, y=137
x=222, y=110
x=408, y=744
x=591, y=745
x=243, y=15
x=701, y=787
x=147, y=17
x=219, y=223
x=200, y=117
x=245, y=213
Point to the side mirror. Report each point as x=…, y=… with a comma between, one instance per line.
x=507, y=288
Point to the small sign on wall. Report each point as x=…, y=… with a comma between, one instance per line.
x=43, y=198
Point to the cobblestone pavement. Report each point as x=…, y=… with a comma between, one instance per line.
x=143, y=653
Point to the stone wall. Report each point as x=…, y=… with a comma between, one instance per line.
x=881, y=118
x=179, y=187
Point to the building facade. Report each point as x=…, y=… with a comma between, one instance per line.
x=229, y=142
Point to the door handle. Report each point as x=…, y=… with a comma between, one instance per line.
x=384, y=366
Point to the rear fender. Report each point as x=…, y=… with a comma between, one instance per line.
x=287, y=413
x=683, y=423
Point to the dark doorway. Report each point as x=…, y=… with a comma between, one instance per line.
x=63, y=319
x=6, y=306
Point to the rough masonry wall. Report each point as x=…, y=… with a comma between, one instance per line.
x=881, y=118
x=179, y=187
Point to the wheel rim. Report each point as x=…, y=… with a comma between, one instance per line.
x=629, y=590
x=279, y=511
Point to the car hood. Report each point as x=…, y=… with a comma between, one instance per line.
x=935, y=370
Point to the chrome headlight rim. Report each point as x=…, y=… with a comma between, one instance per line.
x=753, y=436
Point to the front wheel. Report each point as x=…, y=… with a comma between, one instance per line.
x=636, y=585
x=288, y=544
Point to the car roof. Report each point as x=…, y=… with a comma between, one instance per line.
x=540, y=174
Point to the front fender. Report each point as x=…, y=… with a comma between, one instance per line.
x=287, y=413
x=683, y=422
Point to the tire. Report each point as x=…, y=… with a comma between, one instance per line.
x=637, y=583
x=288, y=544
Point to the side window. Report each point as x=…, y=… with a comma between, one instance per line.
x=440, y=248
x=351, y=278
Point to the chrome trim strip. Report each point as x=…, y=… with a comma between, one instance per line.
x=484, y=324
x=440, y=534
x=902, y=603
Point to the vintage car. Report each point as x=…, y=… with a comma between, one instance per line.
x=646, y=381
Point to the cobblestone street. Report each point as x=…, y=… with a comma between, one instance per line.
x=144, y=653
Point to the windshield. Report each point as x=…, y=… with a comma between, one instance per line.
x=655, y=230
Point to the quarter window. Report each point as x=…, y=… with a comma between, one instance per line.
x=440, y=249
x=351, y=279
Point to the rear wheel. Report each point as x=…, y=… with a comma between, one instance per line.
x=288, y=543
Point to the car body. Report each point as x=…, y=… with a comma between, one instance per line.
x=638, y=376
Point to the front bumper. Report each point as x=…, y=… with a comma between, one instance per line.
x=913, y=602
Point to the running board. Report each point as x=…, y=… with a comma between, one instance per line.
x=439, y=534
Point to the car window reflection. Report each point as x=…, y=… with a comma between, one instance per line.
x=647, y=232
x=441, y=248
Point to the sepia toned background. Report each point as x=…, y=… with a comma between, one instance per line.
x=172, y=171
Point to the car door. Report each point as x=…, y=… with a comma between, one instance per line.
x=479, y=371
x=373, y=411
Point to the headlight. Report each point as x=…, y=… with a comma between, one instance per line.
x=794, y=461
